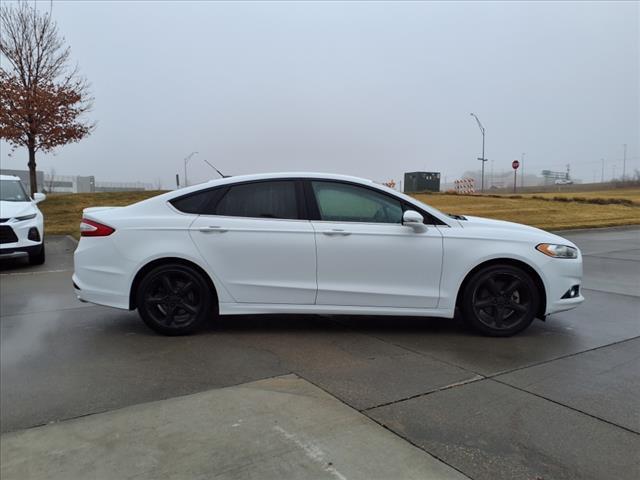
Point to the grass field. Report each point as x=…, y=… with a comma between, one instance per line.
x=632, y=194
x=63, y=211
x=549, y=215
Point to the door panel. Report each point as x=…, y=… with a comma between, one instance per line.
x=383, y=265
x=260, y=260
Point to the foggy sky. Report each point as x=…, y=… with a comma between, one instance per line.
x=368, y=89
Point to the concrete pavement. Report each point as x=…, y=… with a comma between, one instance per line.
x=277, y=428
x=559, y=401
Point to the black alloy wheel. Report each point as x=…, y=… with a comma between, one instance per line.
x=500, y=300
x=174, y=299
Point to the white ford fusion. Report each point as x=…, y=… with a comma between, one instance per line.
x=21, y=222
x=317, y=243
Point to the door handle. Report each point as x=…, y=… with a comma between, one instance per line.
x=212, y=228
x=336, y=231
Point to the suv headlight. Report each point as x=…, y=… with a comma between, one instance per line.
x=26, y=217
x=557, y=251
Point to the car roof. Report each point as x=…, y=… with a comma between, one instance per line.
x=275, y=175
x=271, y=176
x=9, y=177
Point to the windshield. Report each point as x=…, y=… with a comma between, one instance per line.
x=13, y=191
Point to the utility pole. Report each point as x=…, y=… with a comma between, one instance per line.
x=602, y=174
x=624, y=161
x=482, y=159
x=186, y=160
x=522, y=171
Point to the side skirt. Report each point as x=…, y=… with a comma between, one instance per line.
x=274, y=308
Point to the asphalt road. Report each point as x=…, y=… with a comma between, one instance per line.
x=561, y=400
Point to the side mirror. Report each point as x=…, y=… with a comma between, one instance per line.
x=39, y=197
x=413, y=219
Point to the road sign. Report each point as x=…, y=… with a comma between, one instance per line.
x=515, y=164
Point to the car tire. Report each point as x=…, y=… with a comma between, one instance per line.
x=500, y=300
x=37, y=258
x=174, y=299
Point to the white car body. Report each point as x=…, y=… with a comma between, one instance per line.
x=272, y=265
x=20, y=218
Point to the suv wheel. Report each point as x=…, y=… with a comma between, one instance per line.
x=37, y=258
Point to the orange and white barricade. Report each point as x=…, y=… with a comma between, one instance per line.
x=465, y=185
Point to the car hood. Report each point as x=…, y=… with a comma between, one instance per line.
x=498, y=227
x=16, y=209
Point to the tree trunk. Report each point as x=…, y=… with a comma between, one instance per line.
x=33, y=179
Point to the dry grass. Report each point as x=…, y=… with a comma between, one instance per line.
x=632, y=194
x=63, y=211
x=549, y=215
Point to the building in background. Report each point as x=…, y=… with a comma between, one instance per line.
x=416, y=182
x=75, y=183
x=24, y=176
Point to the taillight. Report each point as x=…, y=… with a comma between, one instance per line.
x=91, y=228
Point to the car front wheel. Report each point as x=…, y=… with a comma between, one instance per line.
x=38, y=257
x=174, y=299
x=500, y=300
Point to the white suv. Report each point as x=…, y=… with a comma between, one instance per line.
x=21, y=222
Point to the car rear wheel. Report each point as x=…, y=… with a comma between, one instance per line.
x=38, y=257
x=174, y=299
x=500, y=300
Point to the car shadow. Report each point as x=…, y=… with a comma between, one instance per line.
x=334, y=323
x=9, y=264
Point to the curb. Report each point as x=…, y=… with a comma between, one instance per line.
x=621, y=228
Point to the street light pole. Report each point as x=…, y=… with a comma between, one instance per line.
x=483, y=160
x=522, y=171
x=624, y=162
x=186, y=160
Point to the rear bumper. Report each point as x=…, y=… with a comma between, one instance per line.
x=99, y=296
x=101, y=274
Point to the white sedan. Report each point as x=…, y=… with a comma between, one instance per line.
x=21, y=222
x=317, y=244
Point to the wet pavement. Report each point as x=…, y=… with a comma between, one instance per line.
x=560, y=400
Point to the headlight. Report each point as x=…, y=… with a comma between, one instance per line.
x=557, y=251
x=26, y=217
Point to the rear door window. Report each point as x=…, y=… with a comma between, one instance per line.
x=275, y=199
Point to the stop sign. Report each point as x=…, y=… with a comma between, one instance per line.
x=515, y=164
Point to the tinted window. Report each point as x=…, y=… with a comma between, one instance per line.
x=198, y=202
x=260, y=200
x=340, y=202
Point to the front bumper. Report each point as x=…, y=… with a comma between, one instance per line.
x=19, y=252
x=560, y=276
x=15, y=241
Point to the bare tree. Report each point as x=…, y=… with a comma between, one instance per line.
x=52, y=178
x=42, y=99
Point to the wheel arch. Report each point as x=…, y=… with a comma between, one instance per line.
x=537, y=279
x=133, y=291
